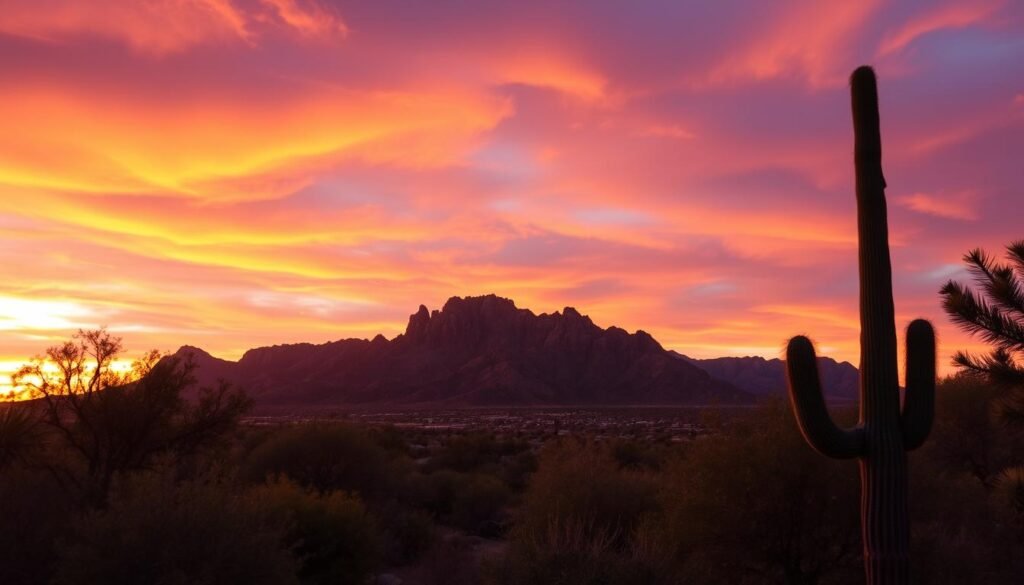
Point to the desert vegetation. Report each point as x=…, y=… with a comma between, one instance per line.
x=747, y=501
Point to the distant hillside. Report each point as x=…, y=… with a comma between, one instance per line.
x=475, y=351
x=762, y=377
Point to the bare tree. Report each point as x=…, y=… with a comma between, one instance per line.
x=107, y=422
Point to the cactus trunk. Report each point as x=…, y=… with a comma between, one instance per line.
x=884, y=434
x=883, y=467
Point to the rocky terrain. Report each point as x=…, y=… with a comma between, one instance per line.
x=475, y=351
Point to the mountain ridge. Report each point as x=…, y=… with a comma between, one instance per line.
x=474, y=351
x=767, y=377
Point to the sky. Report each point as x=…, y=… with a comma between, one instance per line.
x=238, y=173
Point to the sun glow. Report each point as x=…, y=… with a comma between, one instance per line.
x=27, y=314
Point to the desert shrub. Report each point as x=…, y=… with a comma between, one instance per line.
x=757, y=505
x=580, y=483
x=967, y=435
x=476, y=452
x=580, y=522
x=479, y=505
x=1009, y=489
x=161, y=532
x=639, y=455
x=435, y=492
x=35, y=516
x=327, y=457
x=333, y=536
x=965, y=524
x=516, y=470
x=391, y=439
x=474, y=502
x=406, y=532
x=959, y=533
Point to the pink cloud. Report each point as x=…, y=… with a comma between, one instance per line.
x=310, y=19
x=809, y=40
x=952, y=15
x=962, y=206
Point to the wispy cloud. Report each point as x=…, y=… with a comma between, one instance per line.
x=962, y=206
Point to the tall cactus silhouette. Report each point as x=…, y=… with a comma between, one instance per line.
x=885, y=433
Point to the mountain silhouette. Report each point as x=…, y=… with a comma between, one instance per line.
x=761, y=377
x=475, y=351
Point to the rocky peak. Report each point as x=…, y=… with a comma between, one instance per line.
x=477, y=350
x=418, y=323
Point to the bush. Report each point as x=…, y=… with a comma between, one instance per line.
x=474, y=502
x=335, y=539
x=757, y=505
x=327, y=457
x=476, y=452
x=197, y=533
x=580, y=485
x=479, y=505
x=35, y=516
x=407, y=533
x=967, y=522
x=581, y=522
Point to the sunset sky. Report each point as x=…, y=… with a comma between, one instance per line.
x=237, y=173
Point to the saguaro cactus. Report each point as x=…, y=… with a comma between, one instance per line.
x=885, y=433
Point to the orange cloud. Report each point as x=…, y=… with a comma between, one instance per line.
x=72, y=141
x=547, y=70
x=961, y=206
x=153, y=26
x=161, y=27
x=809, y=39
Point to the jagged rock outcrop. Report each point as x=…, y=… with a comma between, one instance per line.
x=475, y=351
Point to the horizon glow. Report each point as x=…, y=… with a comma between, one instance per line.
x=236, y=173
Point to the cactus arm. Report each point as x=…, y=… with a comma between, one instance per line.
x=919, y=399
x=812, y=415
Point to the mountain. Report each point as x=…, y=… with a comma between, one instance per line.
x=762, y=377
x=474, y=351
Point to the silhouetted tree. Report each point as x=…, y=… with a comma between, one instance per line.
x=996, y=314
x=105, y=422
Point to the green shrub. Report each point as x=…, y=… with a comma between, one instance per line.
x=479, y=505
x=580, y=522
x=334, y=537
x=757, y=505
x=475, y=452
x=327, y=457
x=580, y=486
x=158, y=532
